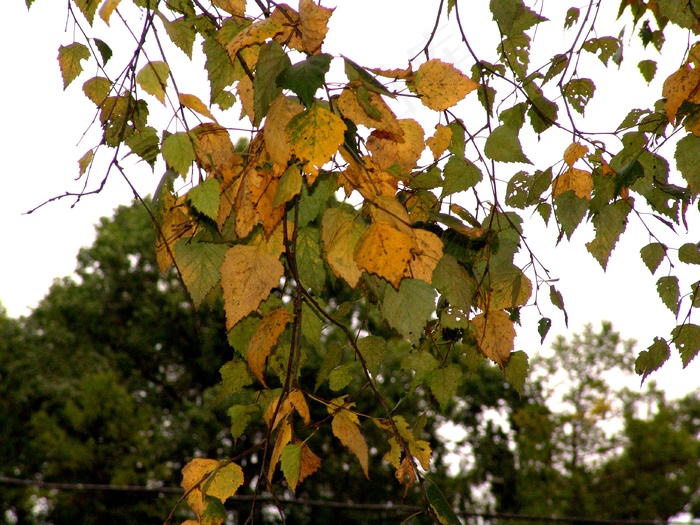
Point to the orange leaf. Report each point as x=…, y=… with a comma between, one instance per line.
x=403, y=156
x=367, y=178
x=439, y=142
x=310, y=462
x=264, y=339
x=678, y=88
x=495, y=335
x=247, y=277
x=440, y=85
x=574, y=179
x=314, y=25
x=574, y=152
x=384, y=251
x=283, y=437
x=346, y=428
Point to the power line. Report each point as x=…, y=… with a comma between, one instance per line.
x=344, y=505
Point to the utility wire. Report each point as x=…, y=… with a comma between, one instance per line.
x=383, y=507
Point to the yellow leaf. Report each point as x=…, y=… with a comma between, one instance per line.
x=426, y=253
x=247, y=98
x=398, y=74
x=85, y=161
x=387, y=208
x=264, y=339
x=247, y=277
x=678, y=88
x=298, y=401
x=439, y=142
x=283, y=437
x=346, y=428
x=233, y=7
x=153, y=79
x=226, y=482
x=340, y=233
x=215, y=153
x=390, y=154
x=176, y=225
x=574, y=179
x=366, y=177
x=256, y=33
x=314, y=137
x=310, y=462
x=495, y=335
x=192, y=474
x=394, y=454
x=314, y=25
x=289, y=19
x=574, y=152
x=195, y=104
x=107, y=9
x=281, y=111
x=294, y=399
x=97, y=89
x=440, y=85
x=384, y=251
x=417, y=447
x=351, y=108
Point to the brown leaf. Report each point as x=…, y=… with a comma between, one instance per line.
x=574, y=179
x=495, y=335
x=390, y=154
x=247, y=277
x=314, y=25
x=384, y=251
x=264, y=339
x=310, y=462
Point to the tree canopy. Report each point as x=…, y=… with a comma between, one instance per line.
x=344, y=241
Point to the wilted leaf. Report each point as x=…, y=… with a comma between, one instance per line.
x=264, y=339
x=346, y=428
x=579, y=92
x=398, y=155
x=314, y=25
x=440, y=85
x=678, y=87
x=495, y=334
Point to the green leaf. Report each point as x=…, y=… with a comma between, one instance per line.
x=339, y=378
x=153, y=79
x=543, y=113
x=97, y=89
x=557, y=300
x=311, y=325
x=514, y=117
x=234, y=377
x=312, y=270
x=181, y=32
x=513, y=16
x=541, y=181
x=199, y=264
x=314, y=201
x=518, y=189
x=607, y=46
x=439, y=505
x=557, y=65
x=88, y=8
x=571, y=17
x=517, y=369
x=652, y=358
x=145, y=143
x=219, y=68
x=104, y=49
x=688, y=161
x=460, y=175
x=444, y=382
x=648, y=69
x=239, y=336
x=668, y=290
x=373, y=349
x=357, y=72
x=69, y=58
x=410, y=308
x=290, y=462
x=503, y=145
x=652, y=255
x=306, y=77
x=515, y=51
x=288, y=187
x=579, y=92
x=205, y=198
x=687, y=340
x=331, y=360
x=609, y=224
x=689, y=253
x=422, y=364
x=569, y=211
x=240, y=417
x=427, y=180
x=85, y=161
x=214, y=513
x=458, y=141
x=178, y=152
x=271, y=62
x=454, y=282
x=543, y=327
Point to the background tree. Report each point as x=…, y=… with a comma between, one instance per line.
x=436, y=281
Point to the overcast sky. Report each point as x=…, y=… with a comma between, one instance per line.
x=43, y=139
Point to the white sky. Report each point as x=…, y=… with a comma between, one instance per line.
x=43, y=126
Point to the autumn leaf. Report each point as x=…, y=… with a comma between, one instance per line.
x=153, y=79
x=257, y=33
x=215, y=153
x=678, y=88
x=574, y=152
x=426, y=253
x=366, y=177
x=281, y=111
x=385, y=251
x=346, y=428
x=340, y=233
x=439, y=142
x=178, y=151
x=284, y=436
x=367, y=108
x=264, y=339
x=400, y=154
x=107, y=9
x=440, y=85
x=314, y=25
x=195, y=104
x=247, y=277
x=314, y=137
x=199, y=263
x=495, y=334
x=69, y=58
x=97, y=89
x=573, y=179
x=225, y=482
